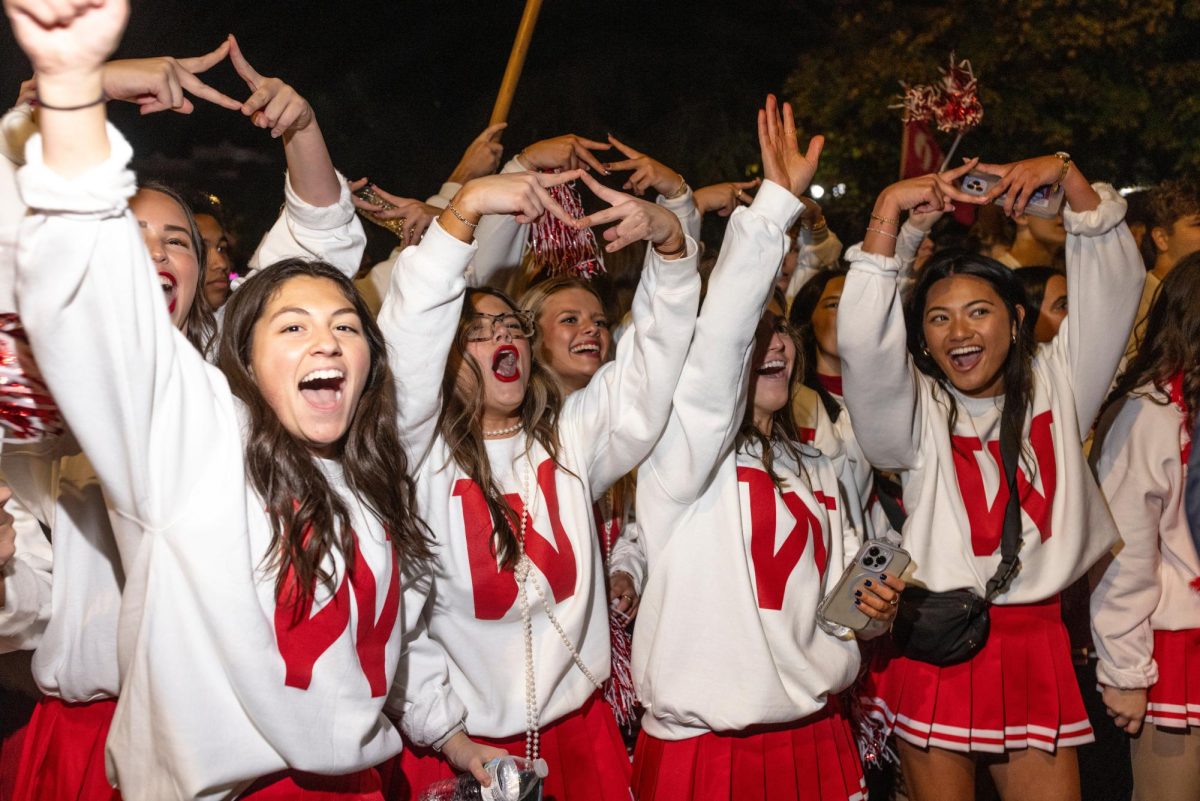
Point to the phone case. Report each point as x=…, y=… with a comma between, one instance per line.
x=1042, y=203
x=874, y=559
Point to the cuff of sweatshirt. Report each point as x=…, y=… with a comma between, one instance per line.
x=1135, y=679
x=15, y=129
x=1100, y=220
x=777, y=204
x=443, y=257
x=875, y=263
x=678, y=275
x=445, y=194
x=102, y=191
x=319, y=218
x=440, y=743
x=513, y=166
x=680, y=206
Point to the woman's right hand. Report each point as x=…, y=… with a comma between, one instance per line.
x=936, y=191
x=636, y=220
x=781, y=157
x=725, y=197
x=521, y=194
x=466, y=755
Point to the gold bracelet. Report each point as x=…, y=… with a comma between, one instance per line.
x=461, y=219
x=1066, y=167
x=885, y=220
x=678, y=192
x=881, y=231
x=674, y=253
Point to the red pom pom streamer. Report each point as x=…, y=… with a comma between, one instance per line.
x=618, y=690
x=560, y=249
x=958, y=108
x=27, y=411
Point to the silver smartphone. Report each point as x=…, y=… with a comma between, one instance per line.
x=1042, y=203
x=874, y=559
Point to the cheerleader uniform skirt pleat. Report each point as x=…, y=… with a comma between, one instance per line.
x=583, y=750
x=294, y=785
x=814, y=759
x=1174, y=700
x=62, y=758
x=1019, y=691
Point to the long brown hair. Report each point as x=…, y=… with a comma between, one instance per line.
x=784, y=431
x=308, y=518
x=462, y=431
x=1171, y=343
x=200, y=324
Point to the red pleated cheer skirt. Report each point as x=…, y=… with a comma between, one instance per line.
x=1019, y=691
x=813, y=759
x=583, y=750
x=1174, y=700
x=63, y=755
x=294, y=785
x=15, y=712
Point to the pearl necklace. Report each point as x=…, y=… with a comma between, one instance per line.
x=501, y=432
x=524, y=565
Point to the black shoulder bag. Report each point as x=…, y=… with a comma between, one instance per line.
x=944, y=628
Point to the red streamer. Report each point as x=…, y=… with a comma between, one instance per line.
x=27, y=411
x=561, y=249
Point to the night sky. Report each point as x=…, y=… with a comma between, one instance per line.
x=400, y=88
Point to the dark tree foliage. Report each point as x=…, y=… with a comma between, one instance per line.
x=1112, y=81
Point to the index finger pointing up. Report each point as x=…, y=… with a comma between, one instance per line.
x=241, y=65
x=601, y=191
x=624, y=148
x=207, y=61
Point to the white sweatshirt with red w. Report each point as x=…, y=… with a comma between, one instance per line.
x=954, y=491
x=220, y=684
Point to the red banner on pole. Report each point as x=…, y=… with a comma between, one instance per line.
x=920, y=154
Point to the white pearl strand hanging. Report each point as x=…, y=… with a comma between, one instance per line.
x=521, y=573
x=503, y=432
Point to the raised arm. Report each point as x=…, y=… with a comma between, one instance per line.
x=672, y=190
x=420, y=313
x=1104, y=273
x=318, y=220
x=621, y=412
x=883, y=392
x=710, y=398
x=89, y=296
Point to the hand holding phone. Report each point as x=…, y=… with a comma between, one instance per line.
x=1043, y=201
x=865, y=597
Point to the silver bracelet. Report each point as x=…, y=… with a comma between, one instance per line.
x=461, y=219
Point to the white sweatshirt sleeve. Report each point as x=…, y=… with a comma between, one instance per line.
x=1139, y=470
x=684, y=207
x=908, y=242
x=882, y=389
x=422, y=699
x=1104, y=286
x=620, y=414
x=419, y=320
x=445, y=194
x=711, y=396
x=93, y=308
x=26, y=578
x=332, y=234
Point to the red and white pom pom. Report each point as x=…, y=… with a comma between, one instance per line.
x=918, y=102
x=27, y=411
x=958, y=108
x=560, y=249
x=618, y=690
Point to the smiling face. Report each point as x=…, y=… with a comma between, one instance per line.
x=310, y=359
x=575, y=337
x=1054, y=309
x=824, y=326
x=968, y=332
x=503, y=358
x=168, y=238
x=216, y=260
x=771, y=366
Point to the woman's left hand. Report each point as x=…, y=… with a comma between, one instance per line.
x=1020, y=179
x=879, y=600
x=622, y=593
x=636, y=220
x=273, y=104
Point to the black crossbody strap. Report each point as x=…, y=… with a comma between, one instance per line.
x=1010, y=540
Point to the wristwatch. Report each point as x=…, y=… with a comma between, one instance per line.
x=1066, y=167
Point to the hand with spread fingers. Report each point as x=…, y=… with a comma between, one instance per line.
x=567, y=152
x=417, y=215
x=879, y=600
x=1020, y=179
x=725, y=197
x=647, y=173
x=482, y=156
x=1127, y=708
x=273, y=105
x=635, y=220
x=783, y=163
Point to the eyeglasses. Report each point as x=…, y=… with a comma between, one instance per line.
x=483, y=327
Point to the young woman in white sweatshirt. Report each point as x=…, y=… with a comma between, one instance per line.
x=746, y=529
x=518, y=635
x=930, y=393
x=1146, y=606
